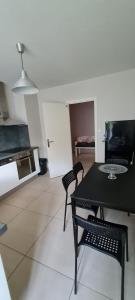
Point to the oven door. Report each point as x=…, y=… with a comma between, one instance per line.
x=24, y=167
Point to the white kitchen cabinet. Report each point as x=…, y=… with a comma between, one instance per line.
x=36, y=158
x=8, y=177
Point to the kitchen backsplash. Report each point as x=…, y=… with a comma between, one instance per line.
x=14, y=136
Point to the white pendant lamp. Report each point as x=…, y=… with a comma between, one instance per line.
x=24, y=85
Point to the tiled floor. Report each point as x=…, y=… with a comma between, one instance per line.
x=39, y=258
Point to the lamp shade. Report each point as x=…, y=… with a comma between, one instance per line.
x=25, y=86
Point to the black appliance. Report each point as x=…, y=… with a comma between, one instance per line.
x=25, y=163
x=120, y=140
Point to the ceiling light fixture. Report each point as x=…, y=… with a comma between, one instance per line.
x=24, y=85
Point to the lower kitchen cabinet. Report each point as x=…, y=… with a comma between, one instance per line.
x=9, y=176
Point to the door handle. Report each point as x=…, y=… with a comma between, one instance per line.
x=49, y=142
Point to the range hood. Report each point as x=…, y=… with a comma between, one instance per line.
x=4, y=115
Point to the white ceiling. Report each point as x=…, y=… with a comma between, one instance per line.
x=66, y=40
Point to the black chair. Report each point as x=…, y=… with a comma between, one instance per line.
x=78, y=167
x=67, y=180
x=103, y=236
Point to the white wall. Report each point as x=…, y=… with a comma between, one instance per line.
x=26, y=110
x=34, y=124
x=114, y=95
x=16, y=106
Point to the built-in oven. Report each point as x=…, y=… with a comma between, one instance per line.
x=25, y=163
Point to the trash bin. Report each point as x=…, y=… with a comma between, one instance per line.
x=43, y=166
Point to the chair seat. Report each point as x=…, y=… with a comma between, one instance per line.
x=103, y=243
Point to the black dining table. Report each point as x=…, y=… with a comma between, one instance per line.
x=96, y=189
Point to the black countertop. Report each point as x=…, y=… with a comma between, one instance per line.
x=10, y=153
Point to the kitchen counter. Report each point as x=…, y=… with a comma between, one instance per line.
x=8, y=156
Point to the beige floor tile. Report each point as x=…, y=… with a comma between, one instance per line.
x=22, y=197
x=130, y=279
x=101, y=273
x=30, y=222
x=56, y=189
x=55, y=186
x=60, y=214
x=8, y=212
x=81, y=212
x=10, y=259
x=41, y=183
x=32, y=281
x=86, y=294
x=122, y=218
x=47, y=204
x=24, y=230
x=55, y=179
x=55, y=248
x=18, y=240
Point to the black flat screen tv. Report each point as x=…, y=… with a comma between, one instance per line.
x=120, y=140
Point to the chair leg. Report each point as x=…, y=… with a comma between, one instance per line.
x=76, y=254
x=128, y=214
x=82, y=174
x=101, y=213
x=76, y=183
x=65, y=212
x=127, y=256
x=75, y=289
x=122, y=277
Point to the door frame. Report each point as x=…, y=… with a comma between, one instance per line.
x=79, y=100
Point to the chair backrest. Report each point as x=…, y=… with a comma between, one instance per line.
x=77, y=168
x=67, y=179
x=97, y=228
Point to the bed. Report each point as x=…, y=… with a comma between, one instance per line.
x=84, y=142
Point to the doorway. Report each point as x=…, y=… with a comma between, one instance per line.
x=82, y=126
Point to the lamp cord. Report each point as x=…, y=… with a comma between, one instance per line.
x=22, y=62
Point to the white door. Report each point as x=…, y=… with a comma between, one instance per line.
x=57, y=127
x=4, y=291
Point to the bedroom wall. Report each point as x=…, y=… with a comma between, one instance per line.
x=81, y=120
